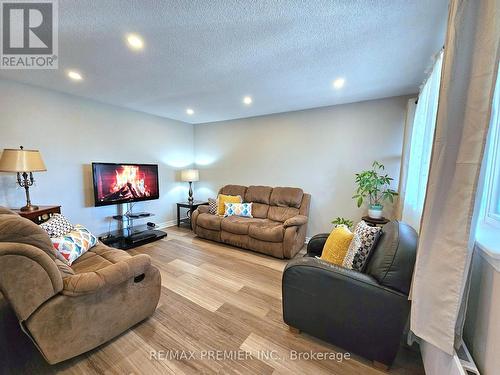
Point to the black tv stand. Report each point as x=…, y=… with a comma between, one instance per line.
x=132, y=236
x=125, y=239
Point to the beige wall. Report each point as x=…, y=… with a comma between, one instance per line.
x=71, y=133
x=482, y=328
x=318, y=150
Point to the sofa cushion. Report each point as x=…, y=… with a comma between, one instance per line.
x=281, y=213
x=99, y=257
x=260, y=210
x=267, y=230
x=286, y=197
x=393, y=258
x=258, y=194
x=233, y=190
x=209, y=221
x=238, y=225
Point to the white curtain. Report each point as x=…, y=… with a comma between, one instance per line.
x=422, y=134
x=445, y=245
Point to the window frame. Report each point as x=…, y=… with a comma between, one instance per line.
x=488, y=223
x=491, y=194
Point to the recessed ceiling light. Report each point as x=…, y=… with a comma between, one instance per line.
x=189, y=111
x=247, y=100
x=339, y=83
x=135, y=42
x=75, y=76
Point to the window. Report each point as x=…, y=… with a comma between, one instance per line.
x=422, y=135
x=488, y=228
x=490, y=208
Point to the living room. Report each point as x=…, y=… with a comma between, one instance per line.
x=256, y=187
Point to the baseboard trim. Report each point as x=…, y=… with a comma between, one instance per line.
x=167, y=224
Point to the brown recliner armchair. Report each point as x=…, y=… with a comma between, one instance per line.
x=66, y=310
x=278, y=226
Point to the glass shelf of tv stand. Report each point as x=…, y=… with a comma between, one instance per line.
x=133, y=216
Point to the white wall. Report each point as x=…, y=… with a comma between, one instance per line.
x=318, y=150
x=71, y=133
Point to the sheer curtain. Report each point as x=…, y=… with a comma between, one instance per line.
x=420, y=146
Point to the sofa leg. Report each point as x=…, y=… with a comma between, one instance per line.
x=380, y=366
x=294, y=330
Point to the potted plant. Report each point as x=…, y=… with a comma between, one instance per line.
x=342, y=221
x=374, y=187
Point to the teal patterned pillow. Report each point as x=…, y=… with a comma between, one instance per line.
x=238, y=209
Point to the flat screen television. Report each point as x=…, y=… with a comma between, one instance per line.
x=123, y=183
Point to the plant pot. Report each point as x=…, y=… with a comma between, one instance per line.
x=375, y=211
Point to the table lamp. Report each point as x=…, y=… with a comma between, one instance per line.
x=190, y=175
x=23, y=162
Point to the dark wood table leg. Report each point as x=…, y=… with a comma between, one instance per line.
x=191, y=210
x=178, y=216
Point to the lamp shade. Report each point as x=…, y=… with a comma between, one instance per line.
x=21, y=161
x=190, y=175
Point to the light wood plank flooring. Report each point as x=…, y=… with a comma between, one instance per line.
x=215, y=298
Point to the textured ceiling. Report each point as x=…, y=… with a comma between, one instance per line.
x=208, y=54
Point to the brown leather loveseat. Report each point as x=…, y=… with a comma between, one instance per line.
x=67, y=310
x=278, y=226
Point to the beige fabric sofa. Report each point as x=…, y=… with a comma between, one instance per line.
x=66, y=310
x=278, y=226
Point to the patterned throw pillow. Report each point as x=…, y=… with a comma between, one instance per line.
x=238, y=209
x=365, y=238
x=212, y=206
x=57, y=226
x=74, y=244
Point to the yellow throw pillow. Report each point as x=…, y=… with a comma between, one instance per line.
x=336, y=245
x=226, y=199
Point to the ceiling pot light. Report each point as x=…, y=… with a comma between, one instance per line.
x=247, y=100
x=75, y=76
x=339, y=83
x=135, y=42
x=189, y=111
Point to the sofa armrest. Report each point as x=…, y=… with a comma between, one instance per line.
x=28, y=277
x=295, y=221
x=204, y=209
x=345, y=307
x=90, y=282
x=309, y=265
x=316, y=244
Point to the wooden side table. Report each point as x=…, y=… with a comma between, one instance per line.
x=41, y=215
x=190, y=209
x=375, y=222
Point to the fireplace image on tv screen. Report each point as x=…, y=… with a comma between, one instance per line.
x=121, y=183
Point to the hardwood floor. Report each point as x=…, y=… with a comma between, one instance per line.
x=215, y=298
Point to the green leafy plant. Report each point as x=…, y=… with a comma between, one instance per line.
x=374, y=186
x=343, y=221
